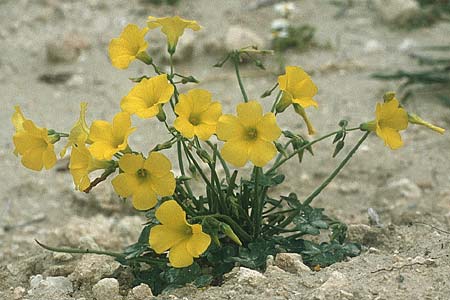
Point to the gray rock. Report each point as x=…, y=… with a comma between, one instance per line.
x=291, y=262
x=106, y=289
x=18, y=293
x=91, y=268
x=245, y=276
x=406, y=188
x=140, y=292
x=396, y=11
x=51, y=288
x=238, y=37
x=333, y=288
x=60, y=52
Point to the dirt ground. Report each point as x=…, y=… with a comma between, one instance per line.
x=406, y=258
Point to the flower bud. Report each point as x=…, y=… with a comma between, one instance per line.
x=415, y=119
x=230, y=233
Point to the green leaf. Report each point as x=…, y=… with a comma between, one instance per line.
x=338, y=136
x=338, y=148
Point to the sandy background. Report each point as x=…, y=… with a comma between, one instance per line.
x=405, y=187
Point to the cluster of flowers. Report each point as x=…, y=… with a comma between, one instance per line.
x=247, y=136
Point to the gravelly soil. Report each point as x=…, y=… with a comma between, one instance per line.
x=407, y=187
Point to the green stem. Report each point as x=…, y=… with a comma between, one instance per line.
x=236, y=227
x=181, y=165
x=100, y=252
x=257, y=204
x=277, y=98
x=319, y=189
x=238, y=75
x=222, y=161
x=282, y=161
x=197, y=166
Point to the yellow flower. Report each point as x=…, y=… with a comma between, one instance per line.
x=185, y=241
x=147, y=96
x=298, y=89
x=34, y=145
x=197, y=115
x=130, y=45
x=248, y=136
x=144, y=179
x=173, y=28
x=415, y=119
x=82, y=163
x=79, y=132
x=390, y=119
x=18, y=119
x=108, y=139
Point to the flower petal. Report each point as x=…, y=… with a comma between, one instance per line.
x=32, y=159
x=125, y=184
x=212, y=114
x=183, y=125
x=144, y=198
x=157, y=164
x=267, y=128
x=236, y=152
x=229, y=128
x=131, y=163
x=249, y=113
x=172, y=215
x=100, y=131
x=201, y=99
x=164, y=185
x=391, y=137
x=179, y=257
x=198, y=243
x=261, y=152
x=204, y=131
x=163, y=238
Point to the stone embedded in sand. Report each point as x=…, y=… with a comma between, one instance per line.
x=405, y=187
x=18, y=292
x=291, y=262
x=91, y=268
x=238, y=37
x=50, y=288
x=106, y=289
x=140, y=292
x=333, y=288
x=245, y=276
x=398, y=12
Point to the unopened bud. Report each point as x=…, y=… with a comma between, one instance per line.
x=230, y=233
x=388, y=96
x=415, y=119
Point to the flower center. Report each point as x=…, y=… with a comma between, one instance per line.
x=251, y=134
x=142, y=173
x=194, y=119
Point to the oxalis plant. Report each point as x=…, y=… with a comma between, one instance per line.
x=236, y=221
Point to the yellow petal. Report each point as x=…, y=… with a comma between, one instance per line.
x=32, y=159
x=179, y=257
x=132, y=104
x=389, y=114
x=267, y=128
x=124, y=49
x=249, y=113
x=164, y=185
x=391, y=137
x=236, y=152
x=79, y=132
x=102, y=150
x=212, y=114
x=172, y=27
x=184, y=127
x=172, y=215
x=100, y=131
x=261, y=152
x=201, y=99
x=198, y=243
x=121, y=126
x=143, y=197
x=204, y=131
x=18, y=119
x=157, y=164
x=49, y=157
x=162, y=238
x=229, y=128
x=125, y=184
x=184, y=106
x=306, y=102
x=131, y=163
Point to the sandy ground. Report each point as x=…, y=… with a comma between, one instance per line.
x=407, y=187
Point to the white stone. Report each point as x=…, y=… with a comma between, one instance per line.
x=406, y=187
x=106, y=289
x=291, y=262
x=373, y=46
x=396, y=11
x=140, y=292
x=238, y=37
